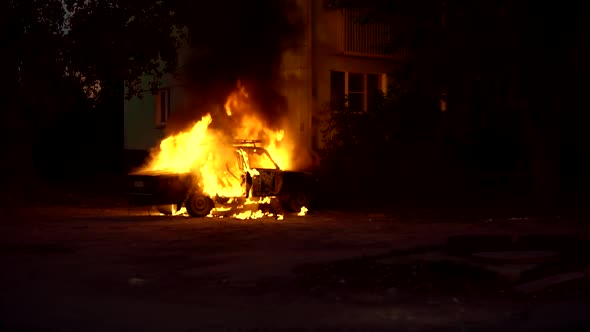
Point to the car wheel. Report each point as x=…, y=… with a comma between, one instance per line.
x=199, y=205
x=297, y=200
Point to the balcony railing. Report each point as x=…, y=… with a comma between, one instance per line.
x=357, y=37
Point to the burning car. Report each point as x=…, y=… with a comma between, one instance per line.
x=246, y=174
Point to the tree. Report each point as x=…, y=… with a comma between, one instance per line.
x=55, y=53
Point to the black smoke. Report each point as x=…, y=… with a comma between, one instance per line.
x=235, y=41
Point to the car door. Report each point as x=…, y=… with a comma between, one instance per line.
x=266, y=182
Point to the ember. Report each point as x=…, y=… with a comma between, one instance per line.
x=303, y=211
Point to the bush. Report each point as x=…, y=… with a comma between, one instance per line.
x=382, y=154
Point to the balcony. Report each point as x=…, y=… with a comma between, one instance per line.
x=370, y=39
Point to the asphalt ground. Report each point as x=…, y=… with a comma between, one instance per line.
x=88, y=268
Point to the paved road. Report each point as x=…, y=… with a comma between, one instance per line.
x=84, y=269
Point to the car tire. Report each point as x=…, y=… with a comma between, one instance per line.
x=199, y=205
x=297, y=200
x=168, y=209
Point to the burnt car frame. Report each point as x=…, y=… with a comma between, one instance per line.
x=255, y=170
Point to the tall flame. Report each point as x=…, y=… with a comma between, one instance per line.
x=207, y=153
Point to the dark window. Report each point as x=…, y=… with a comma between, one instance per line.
x=356, y=91
x=356, y=101
x=356, y=82
x=373, y=90
x=337, y=90
x=162, y=107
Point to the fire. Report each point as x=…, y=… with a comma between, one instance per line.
x=233, y=101
x=303, y=211
x=180, y=212
x=192, y=152
x=280, y=148
x=206, y=152
x=178, y=154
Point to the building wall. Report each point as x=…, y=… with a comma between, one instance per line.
x=140, y=123
x=296, y=81
x=142, y=131
x=329, y=55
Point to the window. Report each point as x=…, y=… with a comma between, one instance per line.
x=337, y=90
x=162, y=107
x=355, y=91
